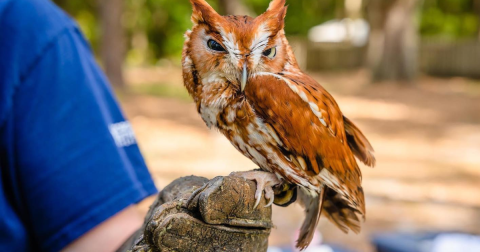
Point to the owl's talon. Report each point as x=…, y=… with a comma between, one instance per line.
x=270, y=202
x=269, y=195
x=257, y=200
x=265, y=181
x=258, y=196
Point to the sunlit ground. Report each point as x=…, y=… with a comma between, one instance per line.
x=426, y=137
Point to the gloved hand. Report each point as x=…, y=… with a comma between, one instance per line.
x=195, y=214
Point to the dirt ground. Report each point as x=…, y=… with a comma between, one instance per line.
x=426, y=137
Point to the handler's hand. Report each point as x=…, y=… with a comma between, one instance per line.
x=194, y=214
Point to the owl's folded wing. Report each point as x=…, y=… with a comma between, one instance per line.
x=311, y=128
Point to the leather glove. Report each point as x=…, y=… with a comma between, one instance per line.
x=195, y=214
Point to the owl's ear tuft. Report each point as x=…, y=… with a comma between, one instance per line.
x=276, y=5
x=274, y=17
x=203, y=12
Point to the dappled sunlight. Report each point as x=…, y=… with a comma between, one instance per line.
x=361, y=108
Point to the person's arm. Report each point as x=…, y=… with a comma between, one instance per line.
x=110, y=234
x=78, y=163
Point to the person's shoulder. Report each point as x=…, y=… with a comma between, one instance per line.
x=32, y=19
x=27, y=28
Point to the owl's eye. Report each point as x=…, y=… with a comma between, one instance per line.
x=270, y=53
x=214, y=45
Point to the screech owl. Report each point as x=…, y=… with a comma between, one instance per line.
x=245, y=82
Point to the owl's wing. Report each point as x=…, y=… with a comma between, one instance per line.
x=311, y=127
x=358, y=143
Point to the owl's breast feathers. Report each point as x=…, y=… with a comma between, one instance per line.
x=312, y=132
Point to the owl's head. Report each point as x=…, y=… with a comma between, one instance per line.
x=232, y=48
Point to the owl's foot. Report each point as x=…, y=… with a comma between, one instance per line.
x=265, y=182
x=285, y=194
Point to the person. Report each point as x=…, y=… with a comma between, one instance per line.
x=70, y=168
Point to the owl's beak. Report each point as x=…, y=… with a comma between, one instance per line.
x=244, y=76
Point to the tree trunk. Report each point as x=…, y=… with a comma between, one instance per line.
x=112, y=44
x=393, y=40
x=476, y=6
x=234, y=7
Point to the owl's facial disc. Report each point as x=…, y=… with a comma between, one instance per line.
x=230, y=49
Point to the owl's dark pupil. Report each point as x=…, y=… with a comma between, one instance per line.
x=214, y=45
x=267, y=52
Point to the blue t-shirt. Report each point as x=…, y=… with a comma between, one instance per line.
x=68, y=158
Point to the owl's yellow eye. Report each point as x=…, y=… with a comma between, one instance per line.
x=270, y=53
x=214, y=45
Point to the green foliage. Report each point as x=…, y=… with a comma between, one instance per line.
x=449, y=19
x=85, y=12
x=161, y=24
x=155, y=28
x=302, y=14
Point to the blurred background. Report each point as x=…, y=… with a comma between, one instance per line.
x=406, y=71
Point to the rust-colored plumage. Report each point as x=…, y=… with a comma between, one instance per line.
x=245, y=81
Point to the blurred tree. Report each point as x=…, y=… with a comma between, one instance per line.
x=101, y=23
x=154, y=28
x=477, y=11
x=112, y=42
x=353, y=8
x=302, y=14
x=393, y=39
x=233, y=7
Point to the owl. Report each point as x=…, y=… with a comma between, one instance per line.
x=245, y=81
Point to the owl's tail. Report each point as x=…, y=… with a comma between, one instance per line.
x=340, y=213
x=312, y=202
x=335, y=208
